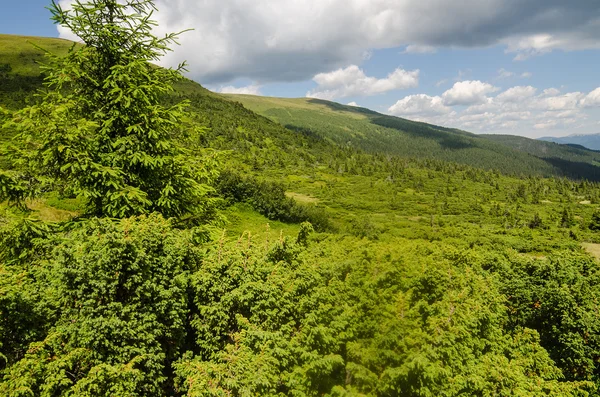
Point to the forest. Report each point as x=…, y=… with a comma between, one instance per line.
x=158, y=239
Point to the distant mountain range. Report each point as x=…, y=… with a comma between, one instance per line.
x=591, y=141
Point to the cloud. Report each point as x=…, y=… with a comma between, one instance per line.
x=468, y=93
x=290, y=40
x=352, y=81
x=419, y=49
x=419, y=104
x=567, y=101
x=504, y=74
x=353, y=104
x=516, y=94
x=548, y=92
x=527, y=46
x=248, y=90
x=517, y=110
x=545, y=125
x=592, y=99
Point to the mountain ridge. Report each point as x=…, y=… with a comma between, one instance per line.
x=350, y=127
x=589, y=141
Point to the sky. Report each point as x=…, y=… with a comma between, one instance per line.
x=521, y=67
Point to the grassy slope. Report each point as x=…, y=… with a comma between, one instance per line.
x=374, y=132
x=24, y=52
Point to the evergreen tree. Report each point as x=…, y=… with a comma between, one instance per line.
x=100, y=127
x=536, y=222
x=566, y=219
x=595, y=222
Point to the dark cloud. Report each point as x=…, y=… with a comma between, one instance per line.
x=289, y=40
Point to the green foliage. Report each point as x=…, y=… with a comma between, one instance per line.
x=595, y=221
x=269, y=199
x=100, y=127
x=120, y=294
x=559, y=298
x=372, y=132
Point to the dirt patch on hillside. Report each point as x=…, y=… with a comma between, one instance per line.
x=49, y=214
x=592, y=249
x=302, y=198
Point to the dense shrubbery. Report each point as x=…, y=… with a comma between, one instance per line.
x=558, y=297
x=269, y=199
x=111, y=304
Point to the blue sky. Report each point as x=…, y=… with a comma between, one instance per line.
x=487, y=66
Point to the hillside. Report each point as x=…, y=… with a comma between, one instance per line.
x=590, y=141
x=429, y=272
x=345, y=126
x=378, y=133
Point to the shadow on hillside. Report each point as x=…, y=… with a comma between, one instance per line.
x=343, y=108
x=575, y=148
x=304, y=131
x=575, y=170
x=446, y=137
x=16, y=83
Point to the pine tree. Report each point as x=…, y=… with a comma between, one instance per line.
x=100, y=129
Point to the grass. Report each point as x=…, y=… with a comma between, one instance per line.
x=24, y=53
x=593, y=249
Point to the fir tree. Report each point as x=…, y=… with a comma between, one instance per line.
x=100, y=127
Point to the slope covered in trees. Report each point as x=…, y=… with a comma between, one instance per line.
x=423, y=277
x=375, y=132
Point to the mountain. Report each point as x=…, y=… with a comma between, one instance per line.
x=378, y=133
x=591, y=141
x=321, y=122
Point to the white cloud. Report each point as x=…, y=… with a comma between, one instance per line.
x=545, y=125
x=292, y=40
x=549, y=92
x=516, y=94
x=248, y=90
x=420, y=104
x=419, y=49
x=504, y=74
x=468, y=93
x=352, y=81
x=353, y=104
x=567, y=101
x=517, y=110
x=592, y=99
x=531, y=45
